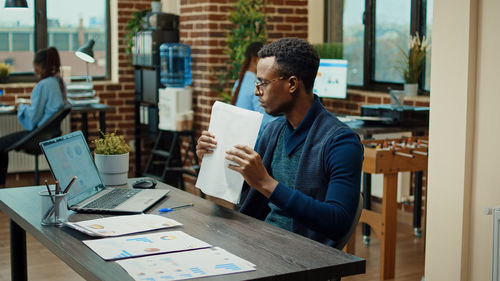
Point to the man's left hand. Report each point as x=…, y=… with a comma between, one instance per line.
x=252, y=169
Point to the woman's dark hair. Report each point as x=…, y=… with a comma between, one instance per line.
x=295, y=57
x=50, y=62
x=251, y=51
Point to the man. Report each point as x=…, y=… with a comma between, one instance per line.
x=305, y=175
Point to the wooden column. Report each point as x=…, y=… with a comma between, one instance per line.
x=389, y=227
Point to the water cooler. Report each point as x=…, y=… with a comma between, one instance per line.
x=175, y=100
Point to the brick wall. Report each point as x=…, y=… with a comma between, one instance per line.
x=120, y=94
x=203, y=25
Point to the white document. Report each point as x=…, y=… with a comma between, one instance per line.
x=186, y=265
x=147, y=244
x=120, y=225
x=231, y=125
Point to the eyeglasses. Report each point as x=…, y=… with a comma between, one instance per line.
x=259, y=85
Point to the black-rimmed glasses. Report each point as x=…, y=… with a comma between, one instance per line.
x=259, y=85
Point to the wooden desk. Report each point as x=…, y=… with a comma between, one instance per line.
x=84, y=110
x=278, y=254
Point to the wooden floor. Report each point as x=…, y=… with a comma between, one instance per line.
x=42, y=264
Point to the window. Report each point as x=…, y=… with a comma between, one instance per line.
x=64, y=24
x=372, y=33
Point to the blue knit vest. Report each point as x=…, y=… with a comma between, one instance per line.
x=312, y=177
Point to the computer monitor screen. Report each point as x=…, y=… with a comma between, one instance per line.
x=331, y=80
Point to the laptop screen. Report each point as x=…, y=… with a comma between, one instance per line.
x=69, y=156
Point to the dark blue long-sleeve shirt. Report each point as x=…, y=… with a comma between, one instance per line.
x=326, y=194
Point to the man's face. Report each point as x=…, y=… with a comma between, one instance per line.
x=273, y=91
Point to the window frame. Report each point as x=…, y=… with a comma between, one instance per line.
x=41, y=41
x=417, y=24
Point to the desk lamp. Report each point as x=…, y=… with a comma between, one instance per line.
x=15, y=4
x=86, y=53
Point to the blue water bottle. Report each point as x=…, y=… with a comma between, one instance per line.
x=175, y=60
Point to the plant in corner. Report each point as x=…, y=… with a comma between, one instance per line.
x=249, y=24
x=411, y=62
x=111, y=156
x=4, y=72
x=133, y=26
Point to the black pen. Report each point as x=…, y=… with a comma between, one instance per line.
x=50, y=193
x=69, y=185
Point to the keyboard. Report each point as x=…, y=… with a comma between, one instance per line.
x=112, y=199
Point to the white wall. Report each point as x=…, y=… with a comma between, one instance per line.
x=463, y=169
x=486, y=153
x=315, y=16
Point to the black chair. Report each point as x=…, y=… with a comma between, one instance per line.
x=343, y=241
x=340, y=244
x=50, y=129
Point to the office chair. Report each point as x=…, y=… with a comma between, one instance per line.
x=50, y=129
x=343, y=241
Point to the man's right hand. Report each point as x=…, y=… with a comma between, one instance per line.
x=206, y=144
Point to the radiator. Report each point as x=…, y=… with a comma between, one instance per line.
x=19, y=161
x=495, y=270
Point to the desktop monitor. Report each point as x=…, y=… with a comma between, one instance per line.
x=331, y=80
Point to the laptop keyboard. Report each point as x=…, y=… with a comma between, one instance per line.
x=112, y=199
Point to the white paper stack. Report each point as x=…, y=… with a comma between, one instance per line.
x=142, y=245
x=186, y=265
x=121, y=225
x=231, y=125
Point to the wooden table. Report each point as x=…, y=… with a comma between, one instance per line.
x=277, y=253
x=389, y=162
x=84, y=110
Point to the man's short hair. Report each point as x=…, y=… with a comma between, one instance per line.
x=294, y=56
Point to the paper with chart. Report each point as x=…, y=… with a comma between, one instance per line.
x=141, y=245
x=185, y=265
x=120, y=225
x=231, y=125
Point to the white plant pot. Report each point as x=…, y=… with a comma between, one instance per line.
x=156, y=7
x=113, y=168
x=411, y=90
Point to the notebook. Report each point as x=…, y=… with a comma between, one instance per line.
x=69, y=156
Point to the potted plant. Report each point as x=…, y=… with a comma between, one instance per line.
x=4, y=72
x=411, y=63
x=111, y=156
x=134, y=25
x=248, y=21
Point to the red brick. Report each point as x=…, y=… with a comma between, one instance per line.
x=374, y=100
x=281, y=27
x=295, y=19
x=301, y=11
x=14, y=90
x=113, y=87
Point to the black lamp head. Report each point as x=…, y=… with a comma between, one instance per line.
x=16, y=4
x=86, y=52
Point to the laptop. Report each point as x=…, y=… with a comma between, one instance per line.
x=69, y=156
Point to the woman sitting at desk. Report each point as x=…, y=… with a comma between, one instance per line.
x=244, y=88
x=48, y=96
